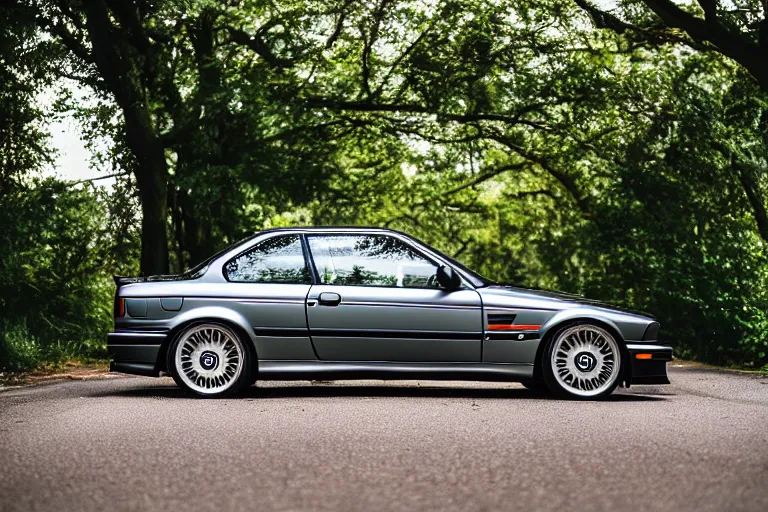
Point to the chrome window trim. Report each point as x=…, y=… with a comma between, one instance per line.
x=215, y=272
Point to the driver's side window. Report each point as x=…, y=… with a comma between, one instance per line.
x=370, y=260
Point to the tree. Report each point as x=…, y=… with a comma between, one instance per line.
x=193, y=83
x=23, y=143
x=52, y=236
x=110, y=51
x=626, y=163
x=738, y=30
x=560, y=156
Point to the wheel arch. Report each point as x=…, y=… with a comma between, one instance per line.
x=555, y=325
x=224, y=316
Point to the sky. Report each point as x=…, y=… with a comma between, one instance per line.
x=72, y=162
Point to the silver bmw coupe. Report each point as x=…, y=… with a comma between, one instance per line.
x=358, y=303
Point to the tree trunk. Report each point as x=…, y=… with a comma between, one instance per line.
x=154, y=233
x=178, y=229
x=752, y=190
x=195, y=236
x=152, y=182
x=121, y=68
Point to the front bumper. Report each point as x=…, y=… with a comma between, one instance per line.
x=648, y=363
x=135, y=352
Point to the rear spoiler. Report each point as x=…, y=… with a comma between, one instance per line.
x=123, y=280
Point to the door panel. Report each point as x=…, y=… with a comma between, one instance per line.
x=275, y=314
x=271, y=281
x=372, y=323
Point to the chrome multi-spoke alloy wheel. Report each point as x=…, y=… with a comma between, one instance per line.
x=209, y=359
x=585, y=361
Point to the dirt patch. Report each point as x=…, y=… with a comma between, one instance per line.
x=679, y=363
x=72, y=370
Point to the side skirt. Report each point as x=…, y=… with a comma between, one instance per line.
x=146, y=369
x=342, y=370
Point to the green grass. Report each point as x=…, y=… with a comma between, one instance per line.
x=21, y=351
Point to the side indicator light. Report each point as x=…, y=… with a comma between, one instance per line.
x=643, y=356
x=514, y=327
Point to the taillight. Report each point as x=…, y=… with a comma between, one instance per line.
x=119, y=307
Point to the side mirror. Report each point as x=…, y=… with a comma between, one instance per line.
x=447, y=278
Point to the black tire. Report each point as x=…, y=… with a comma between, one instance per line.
x=254, y=373
x=600, y=362
x=230, y=358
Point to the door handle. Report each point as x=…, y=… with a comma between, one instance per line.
x=329, y=299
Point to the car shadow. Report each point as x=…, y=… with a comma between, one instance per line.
x=324, y=390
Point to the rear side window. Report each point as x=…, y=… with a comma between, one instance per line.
x=276, y=260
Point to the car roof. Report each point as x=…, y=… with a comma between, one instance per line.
x=330, y=230
x=325, y=229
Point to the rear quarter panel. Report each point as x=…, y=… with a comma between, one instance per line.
x=272, y=315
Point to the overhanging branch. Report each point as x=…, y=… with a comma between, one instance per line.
x=91, y=180
x=257, y=44
x=702, y=34
x=72, y=43
x=487, y=175
x=364, y=106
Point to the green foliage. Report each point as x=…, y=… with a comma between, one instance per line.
x=541, y=143
x=608, y=168
x=55, y=299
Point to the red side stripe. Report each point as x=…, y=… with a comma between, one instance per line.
x=508, y=327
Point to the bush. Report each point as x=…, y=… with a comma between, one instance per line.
x=19, y=349
x=55, y=292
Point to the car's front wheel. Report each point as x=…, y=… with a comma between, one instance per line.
x=582, y=361
x=210, y=360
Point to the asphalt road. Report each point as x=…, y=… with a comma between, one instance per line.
x=138, y=444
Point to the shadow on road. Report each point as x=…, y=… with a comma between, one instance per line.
x=336, y=391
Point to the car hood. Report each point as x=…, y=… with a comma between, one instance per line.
x=554, y=297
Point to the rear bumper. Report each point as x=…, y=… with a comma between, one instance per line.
x=135, y=352
x=649, y=369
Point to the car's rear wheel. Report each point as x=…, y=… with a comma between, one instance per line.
x=582, y=361
x=210, y=360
